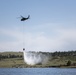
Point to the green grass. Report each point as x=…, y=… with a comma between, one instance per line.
x=10, y=62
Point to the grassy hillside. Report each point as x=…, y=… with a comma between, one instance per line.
x=57, y=59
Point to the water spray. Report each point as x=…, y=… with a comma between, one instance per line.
x=33, y=58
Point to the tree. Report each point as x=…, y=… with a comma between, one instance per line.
x=69, y=63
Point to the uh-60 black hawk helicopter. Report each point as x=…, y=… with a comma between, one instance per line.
x=25, y=18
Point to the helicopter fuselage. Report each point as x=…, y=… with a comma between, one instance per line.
x=23, y=19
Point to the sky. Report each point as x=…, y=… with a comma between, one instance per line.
x=51, y=27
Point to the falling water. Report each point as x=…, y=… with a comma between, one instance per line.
x=33, y=58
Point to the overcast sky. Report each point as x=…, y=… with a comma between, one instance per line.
x=51, y=27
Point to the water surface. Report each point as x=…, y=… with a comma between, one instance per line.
x=37, y=71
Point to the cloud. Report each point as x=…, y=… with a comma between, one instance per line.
x=11, y=39
x=48, y=38
x=65, y=39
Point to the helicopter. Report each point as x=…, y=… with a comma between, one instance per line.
x=25, y=18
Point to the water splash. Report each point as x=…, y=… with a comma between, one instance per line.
x=33, y=58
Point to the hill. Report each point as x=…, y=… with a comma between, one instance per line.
x=56, y=59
